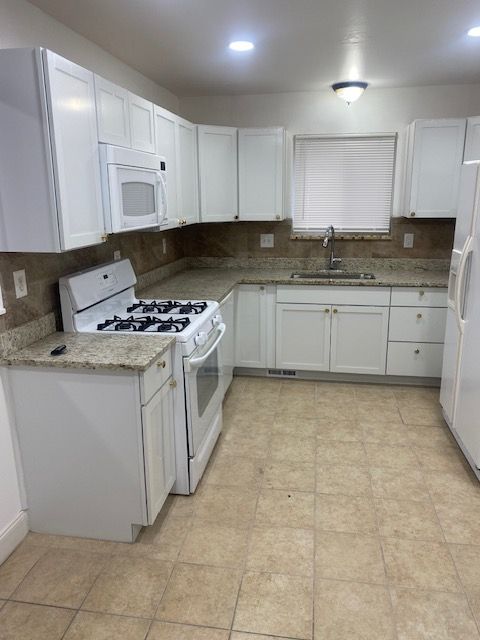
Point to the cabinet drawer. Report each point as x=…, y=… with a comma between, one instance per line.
x=349, y=295
x=418, y=297
x=155, y=376
x=412, y=324
x=403, y=359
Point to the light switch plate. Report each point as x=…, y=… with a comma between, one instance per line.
x=117, y=255
x=408, y=240
x=267, y=240
x=20, y=281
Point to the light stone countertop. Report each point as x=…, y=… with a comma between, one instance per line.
x=214, y=284
x=93, y=351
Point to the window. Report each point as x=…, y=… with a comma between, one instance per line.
x=346, y=181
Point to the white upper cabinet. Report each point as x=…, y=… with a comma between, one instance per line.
x=217, y=157
x=49, y=162
x=141, y=123
x=261, y=164
x=435, y=153
x=166, y=143
x=187, y=172
x=472, y=140
x=113, y=115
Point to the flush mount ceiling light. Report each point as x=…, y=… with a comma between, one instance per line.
x=349, y=91
x=241, y=45
x=474, y=32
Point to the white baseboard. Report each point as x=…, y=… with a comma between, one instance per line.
x=12, y=535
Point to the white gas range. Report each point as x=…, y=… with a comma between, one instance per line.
x=102, y=300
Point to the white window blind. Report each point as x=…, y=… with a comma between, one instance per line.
x=346, y=181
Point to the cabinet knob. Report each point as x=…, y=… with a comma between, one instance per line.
x=335, y=311
x=262, y=288
x=161, y=364
x=173, y=384
x=327, y=310
x=412, y=214
x=104, y=237
x=277, y=216
x=235, y=217
x=417, y=351
x=421, y=293
x=419, y=316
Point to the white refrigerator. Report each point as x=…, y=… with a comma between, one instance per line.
x=460, y=389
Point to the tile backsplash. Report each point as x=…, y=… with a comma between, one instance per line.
x=433, y=239
x=241, y=240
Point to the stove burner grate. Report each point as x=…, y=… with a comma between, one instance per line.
x=168, y=306
x=144, y=324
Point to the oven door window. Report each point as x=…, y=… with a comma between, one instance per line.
x=208, y=380
x=138, y=199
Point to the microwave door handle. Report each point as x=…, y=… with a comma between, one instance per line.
x=161, y=196
x=194, y=363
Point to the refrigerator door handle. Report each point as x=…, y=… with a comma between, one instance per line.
x=460, y=284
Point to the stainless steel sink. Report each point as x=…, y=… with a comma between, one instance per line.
x=332, y=275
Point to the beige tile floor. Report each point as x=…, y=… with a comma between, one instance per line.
x=328, y=511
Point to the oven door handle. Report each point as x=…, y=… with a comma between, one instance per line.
x=194, y=363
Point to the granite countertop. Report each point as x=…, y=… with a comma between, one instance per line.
x=93, y=351
x=215, y=283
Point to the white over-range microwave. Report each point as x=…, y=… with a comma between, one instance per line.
x=134, y=189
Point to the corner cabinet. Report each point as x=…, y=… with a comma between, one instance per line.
x=261, y=169
x=255, y=326
x=49, y=160
x=217, y=161
x=98, y=462
x=432, y=176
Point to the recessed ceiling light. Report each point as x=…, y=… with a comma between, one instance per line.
x=241, y=45
x=474, y=32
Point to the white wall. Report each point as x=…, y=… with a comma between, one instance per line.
x=23, y=25
x=378, y=110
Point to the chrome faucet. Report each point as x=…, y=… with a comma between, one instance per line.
x=330, y=236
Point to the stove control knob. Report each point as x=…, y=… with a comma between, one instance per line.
x=216, y=320
x=201, y=339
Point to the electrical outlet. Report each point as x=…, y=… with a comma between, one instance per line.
x=408, y=240
x=164, y=245
x=267, y=240
x=20, y=281
x=117, y=255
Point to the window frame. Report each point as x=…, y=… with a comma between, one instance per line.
x=298, y=234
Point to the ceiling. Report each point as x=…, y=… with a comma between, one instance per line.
x=301, y=45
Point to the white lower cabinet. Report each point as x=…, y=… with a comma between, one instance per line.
x=255, y=326
x=359, y=339
x=159, y=449
x=415, y=359
x=303, y=337
x=99, y=461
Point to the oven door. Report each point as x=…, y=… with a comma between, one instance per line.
x=138, y=197
x=204, y=389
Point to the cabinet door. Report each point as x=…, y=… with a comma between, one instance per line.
x=359, y=339
x=112, y=113
x=255, y=326
x=188, y=172
x=472, y=140
x=159, y=449
x=217, y=161
x=142, y=126
x=303, y=337
x=227, y=346
x=261, y=159
x=74, y=138
x=436, y=159
x=166, y=134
